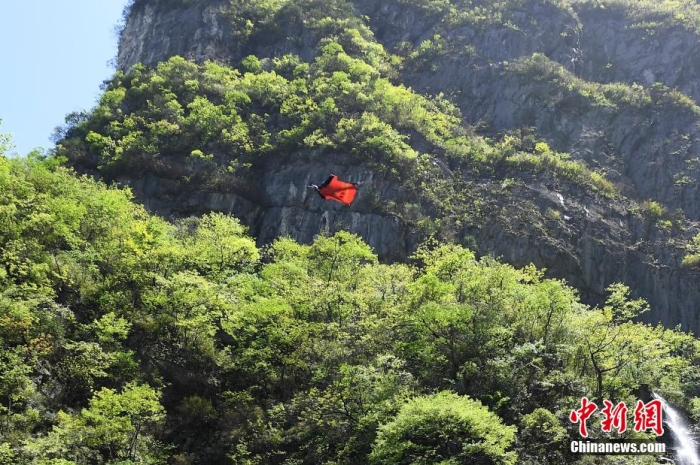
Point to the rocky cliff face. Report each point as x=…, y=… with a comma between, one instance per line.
x=285, y=207
x=155, y=31
x=650, y=149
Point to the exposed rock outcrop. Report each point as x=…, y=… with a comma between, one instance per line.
x=285, y=207
x=156, y=31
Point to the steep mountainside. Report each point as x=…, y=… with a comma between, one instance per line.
x=608, y=83
x=127, y=338
x=219, y=312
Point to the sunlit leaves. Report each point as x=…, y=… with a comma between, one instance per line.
x=339, y=101
x=219, y=244
x=302, y=350
x=111, y=428
x=444, y=428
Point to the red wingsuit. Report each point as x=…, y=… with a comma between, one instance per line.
x=335, y=189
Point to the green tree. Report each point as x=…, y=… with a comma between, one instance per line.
x=444, y=428
x=218, y=245
x=542, y=438
x=115, y=427
x=339, y=422
x=610, y=345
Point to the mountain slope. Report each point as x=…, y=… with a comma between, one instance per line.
x=528, y=183
x=128, y=338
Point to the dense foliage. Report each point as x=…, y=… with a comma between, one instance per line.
x=539, y=68
x=645, y=14
x=216, y=128
x=128, y=339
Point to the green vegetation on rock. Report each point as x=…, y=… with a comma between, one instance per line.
x=128, y=338
x=125, y=338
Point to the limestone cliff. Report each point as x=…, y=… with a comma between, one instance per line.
x=537, y=66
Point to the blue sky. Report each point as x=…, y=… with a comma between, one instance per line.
x=53, y=55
